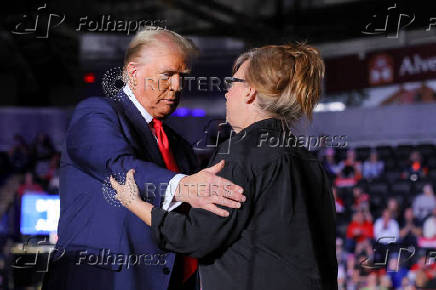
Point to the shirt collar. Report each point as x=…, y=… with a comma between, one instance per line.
x=148, y=118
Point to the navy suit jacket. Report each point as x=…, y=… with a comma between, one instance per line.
x=107, y=137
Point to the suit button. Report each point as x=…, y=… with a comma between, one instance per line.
x=166, y=270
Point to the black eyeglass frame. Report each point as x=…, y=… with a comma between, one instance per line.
x=230, y=80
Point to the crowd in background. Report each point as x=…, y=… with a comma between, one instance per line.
x=386, y=216
x=38, y=161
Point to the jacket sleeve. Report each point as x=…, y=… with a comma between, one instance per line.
x=96, y=144
x=201, y=232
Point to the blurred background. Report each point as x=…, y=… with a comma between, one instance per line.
x=378, y=101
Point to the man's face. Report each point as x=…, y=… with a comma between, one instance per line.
x=158, y=73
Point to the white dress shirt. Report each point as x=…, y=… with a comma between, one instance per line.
x=168, y=203
x=429, y=228
x=386, y=234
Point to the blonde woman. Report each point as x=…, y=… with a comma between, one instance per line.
x=283, y=236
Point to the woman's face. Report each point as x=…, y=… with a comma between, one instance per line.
x=236, y=107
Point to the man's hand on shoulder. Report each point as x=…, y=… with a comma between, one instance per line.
x=206, y=190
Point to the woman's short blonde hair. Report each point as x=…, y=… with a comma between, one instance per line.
x=287, y=79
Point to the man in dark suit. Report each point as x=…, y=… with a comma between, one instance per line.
x=104, y=246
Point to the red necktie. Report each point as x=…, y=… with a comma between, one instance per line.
x=190, y=265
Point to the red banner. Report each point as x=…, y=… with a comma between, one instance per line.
x=415, y=63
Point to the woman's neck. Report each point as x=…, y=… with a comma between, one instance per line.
x=252, y=118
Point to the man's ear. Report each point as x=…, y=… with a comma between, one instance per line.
x=131, y=69
x=251, y=95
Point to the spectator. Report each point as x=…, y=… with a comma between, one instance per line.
x=402, y=96
x=52, y=176
x=349, y=170
x=429, y=227
x=342, y=277
x=425, y=94
x=28, y=185
x=424, y=203
x=43, y=151
x=385, y=282
x=360, y=230
x=19, y=155
x=328, y=160
x=386, y=229
x=341, y=257
x=372, y=168
x=356, y=281
x=415, y=168
x=410, y=229
x=363, y=271
x=361, y=199
x=394, y=208
x=351, y=260
x=406, y=284
x=417, y=269
x=396, y=271
x=43, y=147
x=338, y=201
x=370, y=282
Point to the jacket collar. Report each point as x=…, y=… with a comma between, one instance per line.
x=144, y=133
x=265, y=124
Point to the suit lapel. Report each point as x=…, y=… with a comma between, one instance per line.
x=147, y=140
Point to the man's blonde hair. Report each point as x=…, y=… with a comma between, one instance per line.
x=149, y=37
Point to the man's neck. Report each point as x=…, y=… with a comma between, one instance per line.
x=145, y=114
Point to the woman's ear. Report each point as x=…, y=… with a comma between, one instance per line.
x=250, y=96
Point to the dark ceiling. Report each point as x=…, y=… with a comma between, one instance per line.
x=35, y=64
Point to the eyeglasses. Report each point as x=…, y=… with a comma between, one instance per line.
x=229, y=82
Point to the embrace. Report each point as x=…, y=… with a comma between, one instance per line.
x=257, y=218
